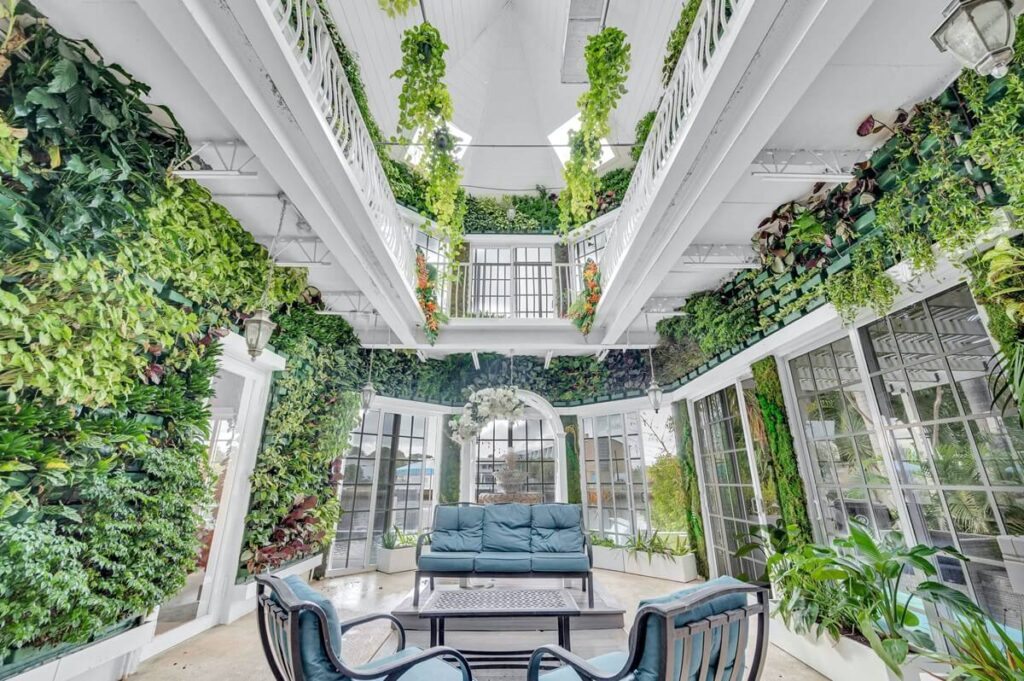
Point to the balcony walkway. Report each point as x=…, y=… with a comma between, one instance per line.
x=232, y=652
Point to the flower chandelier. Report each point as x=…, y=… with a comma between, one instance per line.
x=486, y=405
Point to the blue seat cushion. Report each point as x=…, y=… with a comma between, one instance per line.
x=608, y=663
x=502, y=561
x=556, y=528
x=433, y=669
x=458, y=528
x=316, y=666
x=651, y=658
x=560, y=562
x=447, y=561
x=507, y=527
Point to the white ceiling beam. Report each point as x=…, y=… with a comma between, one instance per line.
x=807, y=165
x=748, y=93
x=476, y=361
x=701, y=257
x=547, y=358
x=211, y=160
x=602, y=353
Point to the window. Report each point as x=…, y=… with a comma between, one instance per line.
x=512, y=282
x=614, y=476
x=388, y=476
x=589, y=247
x=958, y=465
x=958, y=462
x=534, y=445
x=732, y=502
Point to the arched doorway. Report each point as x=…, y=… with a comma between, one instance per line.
x=538, y=441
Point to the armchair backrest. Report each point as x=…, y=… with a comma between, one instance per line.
x=300, y=632
x=700, y=634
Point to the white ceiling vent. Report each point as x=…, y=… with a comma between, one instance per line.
x=586, y=17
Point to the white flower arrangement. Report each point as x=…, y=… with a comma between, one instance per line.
x=484, y=406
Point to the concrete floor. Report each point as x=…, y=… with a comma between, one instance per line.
x=233, y=652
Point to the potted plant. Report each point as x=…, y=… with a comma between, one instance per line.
x=397, y=551
x=650, y=555
x=607, y=554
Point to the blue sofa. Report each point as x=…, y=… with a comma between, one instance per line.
x=506, y=540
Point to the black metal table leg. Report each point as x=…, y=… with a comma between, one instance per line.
x=440, y=631
x=433, y=632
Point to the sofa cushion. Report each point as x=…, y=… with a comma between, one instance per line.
x=458, y=528
x=556, y=528
x=609, y=663
x=434, y=669
x=447, y=561
x=559, y=562
x=316, y=666
x=649, y=662
x=502, y=561
x=507, y=528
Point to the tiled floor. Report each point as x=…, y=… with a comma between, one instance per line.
x=233, y=653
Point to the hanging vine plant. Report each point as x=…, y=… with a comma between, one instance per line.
x=607, y=56
x=426, y=294
x=396, y=8
x=425, y=109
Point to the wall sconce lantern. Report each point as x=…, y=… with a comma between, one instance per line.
x=368, y=392
x=979, y=33
x=654, y=393
x=258, y=329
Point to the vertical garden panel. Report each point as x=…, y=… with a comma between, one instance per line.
x=572, y=459
x=691, y=488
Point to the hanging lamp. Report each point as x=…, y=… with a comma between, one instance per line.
x=258, y=328
x=980, y=35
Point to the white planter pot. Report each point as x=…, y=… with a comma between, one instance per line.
x=607, y=558
x=846, y=659
x=675, y=568
x=396, y=560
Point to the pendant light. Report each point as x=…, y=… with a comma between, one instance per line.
x=258, y=328
x=654, y=393
x=979, y=33
x=368, y=392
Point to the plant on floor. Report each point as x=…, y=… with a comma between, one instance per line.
x=603, y=542
x=865, y=284
x=293, y=505
x=607, y=57
x=424, y=113
x=395, y=538
x=652, y=544
x=677, y=39
x=583, y=309
x=779, y=450
x=426, y=295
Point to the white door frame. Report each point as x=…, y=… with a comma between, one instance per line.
x=222, y=566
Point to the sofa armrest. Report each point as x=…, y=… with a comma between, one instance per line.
x=589, y=549
x=420, y=541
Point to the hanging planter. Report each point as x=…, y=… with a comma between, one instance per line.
x=484, y=406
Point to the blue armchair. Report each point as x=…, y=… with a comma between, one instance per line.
x=301, y=637
x=703, y=630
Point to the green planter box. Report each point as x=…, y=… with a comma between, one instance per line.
x=770, y=310
x=761, y=277
x=881, y=159
x=782, y=280
x=812, y=283
x=839, y=264
x=929, y=145
x=865, y=222
x=888, y=179
x=792, y=317
x=949, y=100
x=816, y=303
x=765, y=295
x=772, y=329
x=787, y=299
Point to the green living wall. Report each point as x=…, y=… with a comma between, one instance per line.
x=116, y=282
x=782, y=488
x=572, y=458
x=690, y=485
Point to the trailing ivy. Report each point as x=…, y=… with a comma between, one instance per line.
x=710, y=322
x=641, y=133
x=780, y=463
x=607, y=57
x=865, y=284
x=677, y=39
x=424, y=112
x=690, y=486
x=396, y=8
x=294, y=504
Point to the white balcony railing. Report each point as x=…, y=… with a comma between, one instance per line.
x=306, y=32
x=516, y=290
x=689, y=82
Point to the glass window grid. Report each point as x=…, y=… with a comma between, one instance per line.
x=828, y=381
x=948, y=341
x=434, y=253
x=732, y=501
x=535, y=444
x=589, y=247
x=615, y=476
x=375, y=488
x=513, y=282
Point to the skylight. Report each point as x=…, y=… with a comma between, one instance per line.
x=560, y=139
x=415, y=152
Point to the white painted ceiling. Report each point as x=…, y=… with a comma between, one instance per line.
x=504, y=66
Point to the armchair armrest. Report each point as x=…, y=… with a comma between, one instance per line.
x=589, y=548
x=392, y=671
x=420, y=541
x=363, y=619
x=586, y=671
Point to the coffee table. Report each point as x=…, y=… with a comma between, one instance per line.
x=499, y=603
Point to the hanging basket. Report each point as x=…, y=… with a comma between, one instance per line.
x=484, y=406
